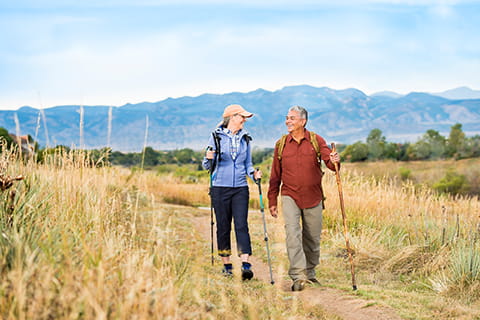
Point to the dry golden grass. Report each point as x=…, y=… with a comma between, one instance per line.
x=176, y=190
x=99, y=243
x=406, y=236
x=94, y=243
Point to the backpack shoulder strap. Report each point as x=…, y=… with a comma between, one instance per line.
x=314, y=142
x=216, y=141
x=247, y=138
x=280, y=145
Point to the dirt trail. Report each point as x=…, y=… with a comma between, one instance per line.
x=337, y=302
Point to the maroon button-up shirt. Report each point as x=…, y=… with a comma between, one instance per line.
x=299, y=172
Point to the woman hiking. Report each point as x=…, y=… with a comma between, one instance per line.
x=229, y=160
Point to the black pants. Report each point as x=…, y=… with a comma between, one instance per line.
x=231, y=203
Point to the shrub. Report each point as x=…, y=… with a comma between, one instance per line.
x=462, y=276
x=452, y=182
x=404, y=173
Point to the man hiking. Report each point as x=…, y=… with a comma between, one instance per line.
x=296, y=167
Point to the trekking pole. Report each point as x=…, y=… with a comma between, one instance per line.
x=211, y=207
x=262, y=209
x=344, y=216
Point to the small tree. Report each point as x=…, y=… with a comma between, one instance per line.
x=376, y=144
x=420, y=150
x=430, y=146
x=437, y=143
x=456, y=142
x=473, y=146
x=151, y=157
x=185, y=155
x=356, y=152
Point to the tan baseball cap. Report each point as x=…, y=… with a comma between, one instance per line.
x=236, y=109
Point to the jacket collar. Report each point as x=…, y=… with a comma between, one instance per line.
x=241, y=132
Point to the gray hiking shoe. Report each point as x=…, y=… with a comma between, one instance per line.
x=314, y=282
x=298, y=285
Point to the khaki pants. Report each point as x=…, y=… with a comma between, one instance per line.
x=303, y=240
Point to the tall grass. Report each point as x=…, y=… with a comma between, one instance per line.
x=398, y=227
x=401, y=230
x=408, y=232
x=79, y=240
x=82, y=241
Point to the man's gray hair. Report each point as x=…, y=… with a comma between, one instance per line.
x=301, y=111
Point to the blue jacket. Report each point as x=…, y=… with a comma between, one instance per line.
x=229, y=172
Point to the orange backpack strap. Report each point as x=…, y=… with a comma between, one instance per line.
x=314, y=142
x=280, y=145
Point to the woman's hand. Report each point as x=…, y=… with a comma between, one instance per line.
x=257, y=174
x=210, y=154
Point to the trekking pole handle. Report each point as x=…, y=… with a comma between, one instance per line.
x=259, y=180
x=334, y=149
x=208, y=149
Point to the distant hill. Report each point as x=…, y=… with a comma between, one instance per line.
x=343, y=116
x=459, y=93
x=389, y=94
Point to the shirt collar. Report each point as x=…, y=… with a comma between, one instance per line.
x=305, y=136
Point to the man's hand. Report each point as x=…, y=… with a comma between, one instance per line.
x=335, y=157
x=273, y=211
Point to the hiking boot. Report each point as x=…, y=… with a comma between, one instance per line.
x=298, y=285
x=247, y=273
x=227, y=270
x=314, y=282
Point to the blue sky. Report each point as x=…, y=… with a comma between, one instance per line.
x=101, y=52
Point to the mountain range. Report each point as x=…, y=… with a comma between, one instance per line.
x=342, y=116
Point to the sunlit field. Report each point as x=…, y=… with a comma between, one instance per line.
x=85, y=241
x=79, y=242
